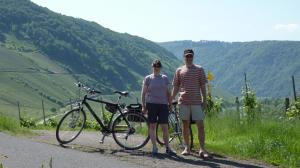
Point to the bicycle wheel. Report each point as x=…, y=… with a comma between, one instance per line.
x=70, y=126
x=175, y=133
x=132, y=134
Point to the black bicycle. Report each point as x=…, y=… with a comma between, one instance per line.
x=175, y=129
x=129, y=129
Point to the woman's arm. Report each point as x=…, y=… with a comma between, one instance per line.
x=143, y=94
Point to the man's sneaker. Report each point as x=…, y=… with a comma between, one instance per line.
x=154, y=150
x=170, y=151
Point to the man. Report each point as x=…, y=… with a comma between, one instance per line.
x=190, y=81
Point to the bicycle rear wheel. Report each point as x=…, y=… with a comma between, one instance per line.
x=132, y=134
x=175, y=133
x=70, y=126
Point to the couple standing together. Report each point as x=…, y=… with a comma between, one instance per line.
x=189, y=80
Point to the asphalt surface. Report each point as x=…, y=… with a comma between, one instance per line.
x=20, y=152
x=86, y=152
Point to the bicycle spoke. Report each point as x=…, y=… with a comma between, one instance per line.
x=135, y=135
x=70, y=126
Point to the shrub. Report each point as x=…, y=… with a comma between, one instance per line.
x=29, y=123
x=293, y=111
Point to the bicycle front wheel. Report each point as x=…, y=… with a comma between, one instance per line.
x=70, y=126
x=130, y=131
x=175, y=133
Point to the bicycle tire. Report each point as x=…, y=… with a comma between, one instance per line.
x=133, y=135
x=175, y=131
x=72, y=126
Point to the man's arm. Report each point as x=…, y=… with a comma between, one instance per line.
x=174, y=92
x=203, y=91
x=203, y=81
x=176, y=84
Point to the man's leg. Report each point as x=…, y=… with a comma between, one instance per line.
x=186, y=136
x=198, y=115
x=184, y=115
x=201, y=134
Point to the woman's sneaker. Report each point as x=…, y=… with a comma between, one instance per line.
x=154, y=150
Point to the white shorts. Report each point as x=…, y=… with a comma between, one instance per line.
x=185, y=111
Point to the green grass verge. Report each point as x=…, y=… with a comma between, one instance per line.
x=8, y=124
x=274, y=141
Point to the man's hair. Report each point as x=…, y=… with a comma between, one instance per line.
x=188, y=52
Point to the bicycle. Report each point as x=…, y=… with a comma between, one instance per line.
x=175, y=128
x=126, y=127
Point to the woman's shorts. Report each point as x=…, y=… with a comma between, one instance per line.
x=157, y=113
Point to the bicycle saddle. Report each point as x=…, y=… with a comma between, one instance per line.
x=122, y=93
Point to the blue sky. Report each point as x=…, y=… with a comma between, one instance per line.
x=170, y=20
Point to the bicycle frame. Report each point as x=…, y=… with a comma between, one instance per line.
x=105, y=128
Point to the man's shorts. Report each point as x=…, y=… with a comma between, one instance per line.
x=157, y=113
x=185, y=111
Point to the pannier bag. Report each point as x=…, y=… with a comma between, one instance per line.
x=134, y=108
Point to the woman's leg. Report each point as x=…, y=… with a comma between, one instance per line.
x=152, y=134
x=165, y=130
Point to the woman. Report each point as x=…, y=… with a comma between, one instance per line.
x=155, y=99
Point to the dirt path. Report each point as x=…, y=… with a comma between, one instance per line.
x=89, y=142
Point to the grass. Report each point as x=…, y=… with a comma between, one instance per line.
x=276, y=142
x=8, y=124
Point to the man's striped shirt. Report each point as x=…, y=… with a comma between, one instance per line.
x=189, y=80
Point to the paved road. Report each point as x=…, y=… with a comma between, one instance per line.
x=18, y=152
x=88, y=142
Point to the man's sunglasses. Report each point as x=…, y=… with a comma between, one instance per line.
x=189, y=56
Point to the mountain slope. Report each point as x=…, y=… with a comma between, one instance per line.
x=43, y=53
x=113, y=59
x=269, y=64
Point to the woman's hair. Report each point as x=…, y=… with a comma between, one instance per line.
x=156, y=63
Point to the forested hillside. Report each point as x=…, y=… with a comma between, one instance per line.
x=43, y=53
x=114, y=59
x=269, y=64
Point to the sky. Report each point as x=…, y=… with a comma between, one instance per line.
x=172, y=20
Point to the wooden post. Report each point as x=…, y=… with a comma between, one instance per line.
x=19, y=112
x=237, y=108
x=294, y=88
x=43, y=112
x=287, y=104
x=246, y=85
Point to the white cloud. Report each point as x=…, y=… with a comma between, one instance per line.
x=287, y=27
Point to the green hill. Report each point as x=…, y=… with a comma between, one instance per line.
x=43, y=53
x=113, y=59
x=269, y=64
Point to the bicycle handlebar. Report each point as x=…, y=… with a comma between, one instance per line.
x=93, y=91
x=89, y=90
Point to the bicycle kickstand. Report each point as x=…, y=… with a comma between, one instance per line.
x=103, y=136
